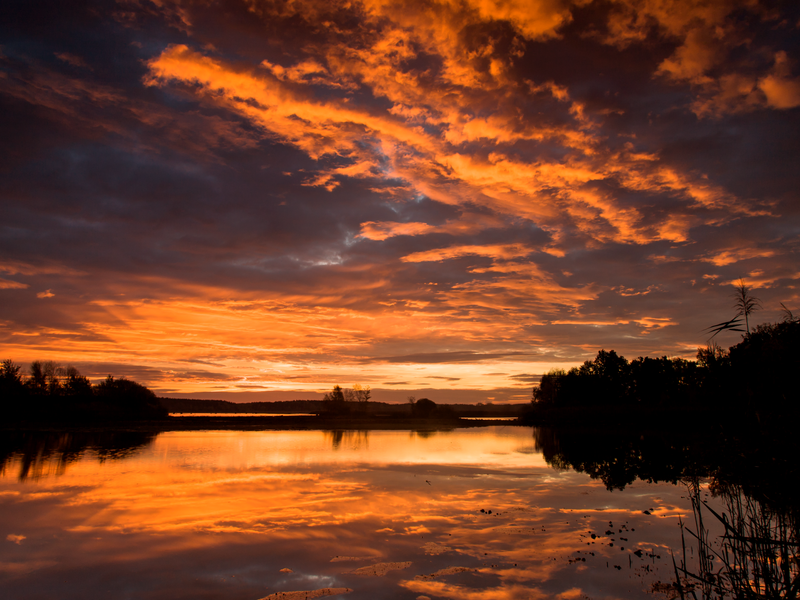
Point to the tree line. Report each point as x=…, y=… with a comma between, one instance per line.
x=344, y=401
x=356, y=400
x=759, y=373
x=51, y=392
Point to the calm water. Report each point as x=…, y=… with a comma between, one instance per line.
x=467, y=514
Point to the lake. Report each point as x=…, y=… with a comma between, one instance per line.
x=467, y=514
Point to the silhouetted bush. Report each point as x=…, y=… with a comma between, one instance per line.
x=127, y=399
x=423, y=408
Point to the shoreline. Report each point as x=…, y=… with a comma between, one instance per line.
x=259, y=423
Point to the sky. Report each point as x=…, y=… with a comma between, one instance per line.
x=255, y=200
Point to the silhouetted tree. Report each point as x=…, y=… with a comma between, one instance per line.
x=423, y=408
x=37, y=381
x=76, y=384
x=10, y=378
x=334, y=401
x=128, y=399
x=362, y=393
x=766, y=364
x=604, y=381
x=12, y=390
x=548, y=389
x=663, y=381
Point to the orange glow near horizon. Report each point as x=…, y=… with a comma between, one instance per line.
x=450, y=196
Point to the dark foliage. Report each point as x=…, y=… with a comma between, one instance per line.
x=55, y=393
x=757, y=376
x=334, y=402
x=423, y=408
x=766, y=364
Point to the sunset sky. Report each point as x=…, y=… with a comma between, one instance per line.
x=252, y=200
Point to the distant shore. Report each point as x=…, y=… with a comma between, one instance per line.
x=262, y=423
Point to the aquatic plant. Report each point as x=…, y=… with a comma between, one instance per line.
x=745, y=303
x=755, y=557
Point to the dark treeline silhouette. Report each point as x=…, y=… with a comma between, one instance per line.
x=757, y=376
x=370, y=407
x=346, y=401
x=355, y=402
x=51, y=392
x=192, y=405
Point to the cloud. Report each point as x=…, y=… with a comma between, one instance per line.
x=301, y=194
x=781, y=89
x=384, y=230
x=72, y=59
x=49, y=268
x=502, y=251
x=443, y=357
x=709, y=38
x=7, y=284
x=559, y=195
x=735, y=255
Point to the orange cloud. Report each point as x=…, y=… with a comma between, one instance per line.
x=707, y=35
x=781, y=89
x=7, y=284
x=734, y=255
x=384, y=230
x=556, y=195
x=502, y=251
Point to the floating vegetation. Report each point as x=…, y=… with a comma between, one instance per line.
x=381, y=569
x=307, y=595
x=447, y=571
x=434, y=548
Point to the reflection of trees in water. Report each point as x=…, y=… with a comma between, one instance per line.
x=424, y=434
x=756, y=556
x=41, y=454
x=762, y=463
x=355, y=439
x=618, y=459
x=753, y=473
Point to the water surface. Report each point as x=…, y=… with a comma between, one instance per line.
x=467, y=514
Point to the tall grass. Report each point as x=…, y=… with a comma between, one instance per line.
x=755, y=557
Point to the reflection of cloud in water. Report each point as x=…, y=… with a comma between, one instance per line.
x=211, y=510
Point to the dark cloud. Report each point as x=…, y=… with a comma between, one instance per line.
x=304, y=193
x=526, y=378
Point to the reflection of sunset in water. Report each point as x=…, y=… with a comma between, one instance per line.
x=219, y=514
